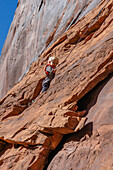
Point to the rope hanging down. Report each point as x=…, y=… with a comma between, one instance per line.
x=84, y=33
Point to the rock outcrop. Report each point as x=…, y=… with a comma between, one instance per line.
x=80, y=94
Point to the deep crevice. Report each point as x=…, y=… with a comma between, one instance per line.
x=85, y=103
x=54, y=152
x=77, y=17
x=40, y=5
x=90, y=99
x=70, y=137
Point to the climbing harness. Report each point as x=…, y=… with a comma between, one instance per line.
x=46, y=67
x=84, y=33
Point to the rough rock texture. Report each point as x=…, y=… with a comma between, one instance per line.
x=92, y=147
x=36, y=25
x=30, y=131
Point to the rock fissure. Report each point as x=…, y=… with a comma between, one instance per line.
x=83, y=103
x=40, y=5
x=18, y=143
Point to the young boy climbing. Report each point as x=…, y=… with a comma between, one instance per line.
x=50, y=70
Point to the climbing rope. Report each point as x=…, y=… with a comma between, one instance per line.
x=84, y=33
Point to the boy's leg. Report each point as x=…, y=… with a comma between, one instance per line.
x=45, y=85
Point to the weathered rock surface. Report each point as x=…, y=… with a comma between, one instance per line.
x=28, y=133
x=92, y=147
x=36, y=25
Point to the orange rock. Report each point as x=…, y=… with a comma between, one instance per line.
x=58, y=111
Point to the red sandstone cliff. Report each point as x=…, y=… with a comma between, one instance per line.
x=30, y=135
x=36, y=25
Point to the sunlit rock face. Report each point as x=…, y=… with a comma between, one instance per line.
x=36, y=25
x=78, y=103
x=91, y=148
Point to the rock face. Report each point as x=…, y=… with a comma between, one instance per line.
x=30, y=131
x=36, y=25
x=91, y=148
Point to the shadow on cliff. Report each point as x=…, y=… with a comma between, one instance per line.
x=76, y=137
x=90, y=99
x=85, y=103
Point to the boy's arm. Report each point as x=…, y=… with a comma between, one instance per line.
x=54, y=70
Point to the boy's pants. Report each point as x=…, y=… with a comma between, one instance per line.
x=46, y=84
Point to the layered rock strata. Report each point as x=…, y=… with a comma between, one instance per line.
x=30, y=131
x=36, y=25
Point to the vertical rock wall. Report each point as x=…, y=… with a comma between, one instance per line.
x=36, y=25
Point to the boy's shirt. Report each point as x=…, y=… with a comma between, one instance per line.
x=49, y=71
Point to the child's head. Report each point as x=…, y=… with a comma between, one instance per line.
x=53, y=61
